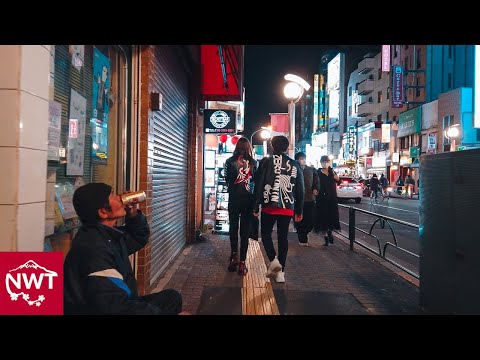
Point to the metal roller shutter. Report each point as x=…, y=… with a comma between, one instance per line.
x=170, y=142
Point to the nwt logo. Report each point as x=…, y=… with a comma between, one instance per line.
x=25, y=281
x=33, y=287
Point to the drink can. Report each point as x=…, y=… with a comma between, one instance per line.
x=134, y=198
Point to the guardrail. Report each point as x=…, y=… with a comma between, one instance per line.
x=383, y=220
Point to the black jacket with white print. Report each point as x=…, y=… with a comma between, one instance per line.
x=239, y=174
x=279, y=183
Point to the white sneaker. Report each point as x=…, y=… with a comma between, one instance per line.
x=280, y=277
x=303, y=244
x=274, y=267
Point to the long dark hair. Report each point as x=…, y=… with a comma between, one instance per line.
x=243, y=147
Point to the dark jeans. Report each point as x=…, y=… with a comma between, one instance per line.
x=268, y=221
x=306, y=225
x=240, y=210
x=254, y=228
x=169, y=301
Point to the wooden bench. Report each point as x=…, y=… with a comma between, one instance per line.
x=257, y=292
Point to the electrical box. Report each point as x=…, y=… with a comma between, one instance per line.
x=450, y=232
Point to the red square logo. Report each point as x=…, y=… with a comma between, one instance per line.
x=31, y=283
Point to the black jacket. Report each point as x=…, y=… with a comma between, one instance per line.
x=239, y=175
x=98, y=276
x=279, y=183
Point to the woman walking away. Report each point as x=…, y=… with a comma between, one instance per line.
x=327, y=218
x=239, y=173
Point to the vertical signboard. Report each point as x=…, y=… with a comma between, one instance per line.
x=386, y=58
x=351, y=142
x=385, y=133
x=315, y=102
x=476, y=89
x=397, y=84
x=334, y=83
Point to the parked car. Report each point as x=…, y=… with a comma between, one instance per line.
x=349, y=188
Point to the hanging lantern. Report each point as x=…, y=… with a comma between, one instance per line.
x=223, y=138
x=235, y=140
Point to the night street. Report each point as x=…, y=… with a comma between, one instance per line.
x=397, y=208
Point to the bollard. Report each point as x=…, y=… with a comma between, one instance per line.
x=351, y=226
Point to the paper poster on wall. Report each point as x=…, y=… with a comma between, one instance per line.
x=76, y=134
x=101, y=86
x=78, y=52
x=54, y=126
x=64, y=197
x=209, y=178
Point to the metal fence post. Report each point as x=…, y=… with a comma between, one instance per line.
x=351, y=226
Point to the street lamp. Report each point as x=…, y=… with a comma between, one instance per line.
x=265, y=134
x=452, y=133
x=293, y=91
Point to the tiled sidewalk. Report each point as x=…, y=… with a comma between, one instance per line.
x=319, y=280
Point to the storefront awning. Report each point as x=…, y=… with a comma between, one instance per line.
x=222, y=72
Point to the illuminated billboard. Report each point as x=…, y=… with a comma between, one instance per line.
x=476, y=89
x=335, y=89
x=397, y=93
x=315, y=102
x=385, y=58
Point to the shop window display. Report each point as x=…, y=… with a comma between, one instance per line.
x=87, y=117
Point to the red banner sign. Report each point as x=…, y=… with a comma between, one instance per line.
x=280, y=122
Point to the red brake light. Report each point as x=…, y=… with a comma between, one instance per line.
x=345, y=182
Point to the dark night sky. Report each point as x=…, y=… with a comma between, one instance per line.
x=265, y=66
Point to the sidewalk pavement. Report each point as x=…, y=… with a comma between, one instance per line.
x=320, y=280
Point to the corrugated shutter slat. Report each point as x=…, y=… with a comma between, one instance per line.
x=169, y=128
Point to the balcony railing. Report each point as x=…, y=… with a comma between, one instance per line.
x=366, y=65
x=365, y=87
x=365, y=109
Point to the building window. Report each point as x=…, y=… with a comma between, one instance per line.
x=350, y=110
x=387, y=117
x=405, y=142
x=379, y=118
x=417, y=89
x=379, y=74
x=419, y=58
x=379, y=97
x=395, y=53
x=370, y=99
x=450, y=51
x=449, y=80
x=356, y=86
x=350, y=91
x=388, y=93
x=405, y=62
x=424, y=143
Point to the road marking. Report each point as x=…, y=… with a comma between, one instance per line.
x=394, y=208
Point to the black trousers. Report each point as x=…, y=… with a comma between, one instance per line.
x=169, y=301
x=306, y=225
x=240, y=210
x=268, y=221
